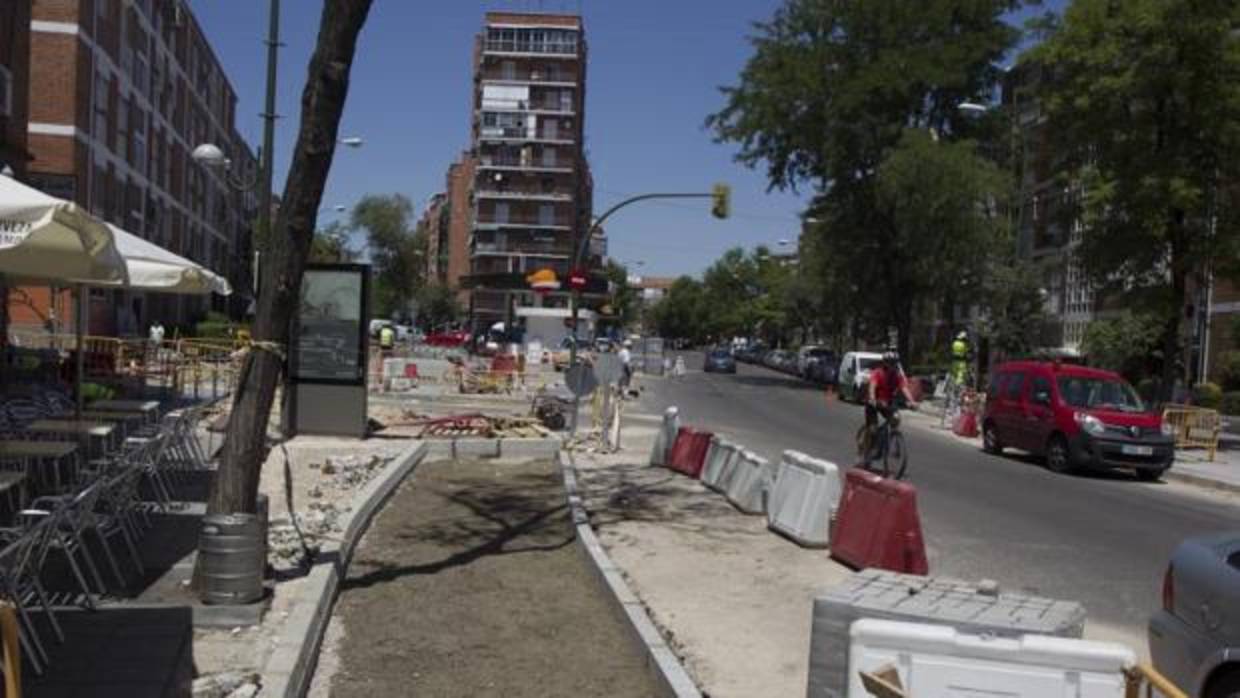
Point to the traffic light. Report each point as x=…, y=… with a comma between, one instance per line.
x=721, y=197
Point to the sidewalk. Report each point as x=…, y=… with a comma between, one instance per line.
x=1190, y=466
x=731, y=598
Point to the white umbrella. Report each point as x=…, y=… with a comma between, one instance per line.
x=153, y=268
x=45, y=238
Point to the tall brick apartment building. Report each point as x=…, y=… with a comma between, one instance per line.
x=120, y=94
x=14, y=84
x=531, y=190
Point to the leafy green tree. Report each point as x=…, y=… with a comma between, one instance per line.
x=331, y=245
x=829, y=99
x=1124, y=342
x=679, y=315
x=1143, y=95
x=1014, y=307
x=438, y=306
x=624, y=300
x=397, y=251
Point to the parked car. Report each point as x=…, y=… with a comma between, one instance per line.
x=751, y=353
x=1076, y=417
x=817, y=364
x=780, y=360
x=854, y=373
x=454, y=338
x=1195, y=637
x=719, y=361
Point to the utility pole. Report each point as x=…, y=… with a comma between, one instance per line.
x=269, y=133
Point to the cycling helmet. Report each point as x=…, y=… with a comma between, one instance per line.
x=891, y=357
x=962, y=335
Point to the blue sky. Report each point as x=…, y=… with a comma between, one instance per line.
x=654, y=69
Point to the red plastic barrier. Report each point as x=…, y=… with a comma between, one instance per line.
x=965, y=425
x=504, y=363
x=877, y=525
x=689, y=451
x=411, y=370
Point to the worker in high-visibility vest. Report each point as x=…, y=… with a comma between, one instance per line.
x=960, y=358
x=387, y=338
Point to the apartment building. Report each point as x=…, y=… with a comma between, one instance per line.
x=1047, y=231
x=14, y=85
x=531, y=191
x=448, y=220
x=121, y=91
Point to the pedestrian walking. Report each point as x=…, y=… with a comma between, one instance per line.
x=626, y=362
x=680, y=366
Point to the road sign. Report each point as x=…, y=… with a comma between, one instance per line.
x=577, y=279
x=580, y=380
x=608, y=368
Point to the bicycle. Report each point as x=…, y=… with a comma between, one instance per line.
x=884, y=443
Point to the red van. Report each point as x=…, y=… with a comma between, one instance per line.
x=1076, y=417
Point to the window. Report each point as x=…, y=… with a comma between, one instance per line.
x=1015, y=383
x=138, y=121
x=501, y=212
x=997, y=382
x=1040, y=385
x=6, y=92
x=102, y=87
x=508, y=70
x=546, y=214
x=122, y=128
x=548, y=157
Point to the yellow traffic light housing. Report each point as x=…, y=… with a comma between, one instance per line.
x=721, y=197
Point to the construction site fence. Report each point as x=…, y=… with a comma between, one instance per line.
x=197, y=368
x=1194, y=427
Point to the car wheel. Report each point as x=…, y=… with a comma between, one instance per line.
x=1058, y=458
x=1225, y=686
x=990, y=439
x=1150, y=474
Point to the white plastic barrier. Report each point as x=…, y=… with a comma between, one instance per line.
x=938, y=660
x=666, y=437
x=751, y=476
x=720, y=464
x=803, y=499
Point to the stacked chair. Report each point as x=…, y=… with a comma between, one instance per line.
x=101, y=512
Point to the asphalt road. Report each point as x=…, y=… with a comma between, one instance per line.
x=1103, y=540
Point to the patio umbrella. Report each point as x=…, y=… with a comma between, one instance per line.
x=43, y=238
x=150, y=267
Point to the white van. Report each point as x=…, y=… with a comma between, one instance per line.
x=854, y=373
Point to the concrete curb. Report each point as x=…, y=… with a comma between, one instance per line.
x=662, y=662
x=290, y=668
x=1200, y=481
x=508, y=449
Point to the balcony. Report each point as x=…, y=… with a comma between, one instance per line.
x=523, y=249
x=533, y=106
x=521, y=194
x=530, y=47
x=499, y=134
x=486, y=221
x=532, y=77
x=511, y=164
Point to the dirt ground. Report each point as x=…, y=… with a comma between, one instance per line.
x=470, y=584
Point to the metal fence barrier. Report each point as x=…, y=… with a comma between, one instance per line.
x=1194, y=427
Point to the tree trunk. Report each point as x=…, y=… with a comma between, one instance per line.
x=235, y=488
x=1171, y=334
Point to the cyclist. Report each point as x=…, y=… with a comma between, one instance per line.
x=885, y=381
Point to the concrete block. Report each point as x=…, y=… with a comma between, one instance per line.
x=720, y=464
x=529, y=448
x=667, y=435
x=475, y=448
x=803, y=500
x=887, y=595
x=747, y=488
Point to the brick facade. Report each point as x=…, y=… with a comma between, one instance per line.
x=120, y=93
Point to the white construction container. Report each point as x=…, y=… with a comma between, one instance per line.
x=937, y=661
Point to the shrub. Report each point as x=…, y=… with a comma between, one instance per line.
x=1229, y=369
x=1207, y=395
x=1231, y=403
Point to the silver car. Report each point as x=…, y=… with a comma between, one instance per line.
x=1195, y=638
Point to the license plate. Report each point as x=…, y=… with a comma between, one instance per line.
x=1137, y=450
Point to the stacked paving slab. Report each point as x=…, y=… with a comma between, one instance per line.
x=969, y=607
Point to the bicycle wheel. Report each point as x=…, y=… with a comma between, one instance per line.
x=863, y=446
x=895, y=457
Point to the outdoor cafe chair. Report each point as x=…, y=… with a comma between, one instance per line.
x=116, y=514
x=21, y=562
x=69, y=516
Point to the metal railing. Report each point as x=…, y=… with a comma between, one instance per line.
x=485, y=219
x=553, y=48
x=529, y=76
x=1194, y=427
x=521, y=194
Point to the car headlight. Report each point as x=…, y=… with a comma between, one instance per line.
x=1167, y=429
x=1089, y=423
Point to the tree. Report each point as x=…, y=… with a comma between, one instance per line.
x=679, y=314
x=1143, y=96
x=235, y=487
x=397, y=251
x=624, y=300
x=1014, y=308
x=832, y=92
x=331, y=245
x=1124, y=343
x=437, y=306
